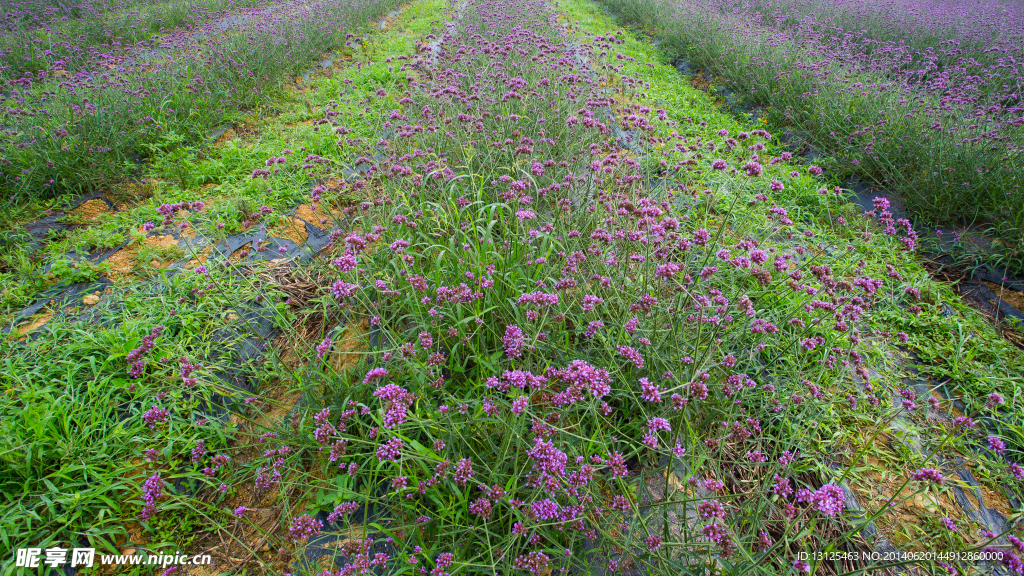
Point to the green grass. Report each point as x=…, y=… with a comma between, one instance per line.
x=73, y=434
x=925, y=168
x=977, y=362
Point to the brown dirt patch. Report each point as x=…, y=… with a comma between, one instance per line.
x=227, y=136
x=199, y=258
x=317, y=215
x=996, y=499
x=876, y=487
x=877, y=484
x=244, y=131
x=124, y=261
x=291, y=229
x=1015, y=299
x=350, y=347
x=35, y=322
x=239, y=255
x=89, y=210
x=162, y=241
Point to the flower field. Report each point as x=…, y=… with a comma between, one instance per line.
x=923, y=98
x=473, y=287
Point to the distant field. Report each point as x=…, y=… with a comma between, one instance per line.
x=925, y=98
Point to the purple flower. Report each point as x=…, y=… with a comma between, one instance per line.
x=650, y=391
x=829, y=500
x=443, y=561
x=481, y=507
x=929, y=474
x=617, y=463
x=152, y=489
x=655, y=424
x=513, y=341
x=586, y=377
x=375, y=373
x=548, y=463
x=711, y=509
x=303, y=527
x=397, y=401
x=155, y=415
x=996, y=444
x=533, y=562
x=136, y=358
x=1017, y=471
x=631, y=354
x=323, y=347
x=342, y=290
x=199, y=451
x=390, y=451
x=343, y=509
x=520, y=404
x=463, y=471
x=994, y=399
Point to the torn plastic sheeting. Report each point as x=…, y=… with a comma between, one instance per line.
x=863, y=195
x=328, y=544
x=316, y=238
x=40, y=229
x=79, y=200
x=217, y=132
x=61, y=298
x=993, y=276
x=378, y=338
x=244, y=344
x=1004, y=307
x=27, y=312
x=684, y=67
x=281, y=249
x=73, y=257
x=878, y=542
x=988, y=517
x=228, y=246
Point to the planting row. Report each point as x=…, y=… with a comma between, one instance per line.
x=78, y=435
x=87, y=130
x=38, y=42
x=923, y=98
x=567, y=289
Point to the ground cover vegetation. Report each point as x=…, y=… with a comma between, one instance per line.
x=493, y=290
x=923, y=98
x=96, y=110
